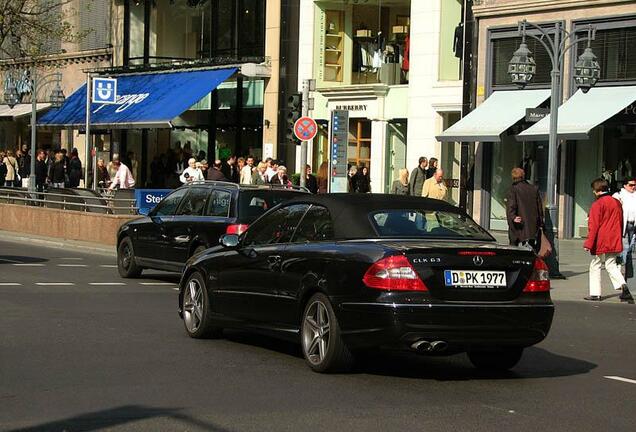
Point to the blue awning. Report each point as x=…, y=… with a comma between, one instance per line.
x=148, y=100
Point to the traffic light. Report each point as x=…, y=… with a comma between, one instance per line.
x=294, y=111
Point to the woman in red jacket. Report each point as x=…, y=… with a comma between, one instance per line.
x=604, y=241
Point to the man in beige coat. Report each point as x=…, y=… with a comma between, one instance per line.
x=434, y=187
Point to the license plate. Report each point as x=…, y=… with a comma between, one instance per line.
x=475, y=279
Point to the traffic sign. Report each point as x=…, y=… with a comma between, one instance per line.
x=305, y=128
x=105, y=90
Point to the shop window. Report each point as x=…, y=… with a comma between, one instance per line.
x=509, y=154
x=359, y=149
x=380, y=44
x=365, y=43
x=333, y=49
x=614, y=49
x=450, y=161
x=179, y=28
x=450, y=39
x=502, y=51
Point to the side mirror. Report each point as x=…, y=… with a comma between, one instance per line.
x=229, y=240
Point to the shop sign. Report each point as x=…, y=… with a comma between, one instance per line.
x=359, y=107
x=105, y=90
x=338, y=151
x=533, y=115
x=147, y=199
x=363, y=108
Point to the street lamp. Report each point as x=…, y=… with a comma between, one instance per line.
x=12, y=97
x=522, y=68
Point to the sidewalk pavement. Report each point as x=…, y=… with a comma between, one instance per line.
x=574, y=263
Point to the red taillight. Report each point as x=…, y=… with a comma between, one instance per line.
x=394, y=273
x=237, y=229
x=539, y=279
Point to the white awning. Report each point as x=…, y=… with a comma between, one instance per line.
x=494, y=116
x=20, y=110
x=583, y=112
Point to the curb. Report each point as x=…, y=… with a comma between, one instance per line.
x=21, y=238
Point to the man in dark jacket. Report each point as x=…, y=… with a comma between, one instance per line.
x=41, y=171
x=230, y=171
x=524, y=211
x=605, y=241
x=215, y=173
x=418, y=177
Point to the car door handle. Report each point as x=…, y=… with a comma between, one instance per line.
x=182, y=239
x=274, y=262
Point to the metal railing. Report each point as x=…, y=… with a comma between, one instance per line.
x=246, y=186
x=70, y=199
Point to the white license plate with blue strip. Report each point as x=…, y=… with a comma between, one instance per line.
x=475, y=279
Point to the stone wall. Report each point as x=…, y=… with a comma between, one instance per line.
x=62, y=224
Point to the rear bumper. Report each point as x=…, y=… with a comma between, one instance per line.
x=461, y=326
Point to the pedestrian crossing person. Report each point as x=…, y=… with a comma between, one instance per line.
x=604, y=241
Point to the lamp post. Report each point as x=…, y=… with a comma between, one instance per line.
x=522, y=68
x=12, y=97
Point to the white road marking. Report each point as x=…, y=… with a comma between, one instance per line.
x=10, y=261
x=72, y=259
x=72, y=265
x=10, y=284
x=176, y=289
x=28, y=265
x=108, y=266
x=106, y=283
x=617, y=378
x=157, y=283
x=54, y=283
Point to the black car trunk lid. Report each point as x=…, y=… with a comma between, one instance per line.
x=469, y=271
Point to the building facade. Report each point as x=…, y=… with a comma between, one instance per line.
x=93, y=19
x=596, y=129
x=395, y=66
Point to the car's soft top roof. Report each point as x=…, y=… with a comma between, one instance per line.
x=350, y=211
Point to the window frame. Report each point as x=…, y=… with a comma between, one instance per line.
x=615, y=22
x=268, y=214
x=209, y=200
x=192, y=190
x=506, y=32
x=153, y=212
x=311, y=207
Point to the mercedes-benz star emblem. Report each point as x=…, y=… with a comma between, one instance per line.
x=477, y=260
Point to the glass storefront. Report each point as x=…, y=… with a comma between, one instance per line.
x=509, y=154
x=364, y=43
x=396, y=150
x=450, y=161
x=359, y=148
x=188, y=30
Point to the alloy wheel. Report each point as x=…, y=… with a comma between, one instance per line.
x=315, y=333
x=193, y=306
x=126, y=258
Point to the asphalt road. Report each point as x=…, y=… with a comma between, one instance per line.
x=82, y=349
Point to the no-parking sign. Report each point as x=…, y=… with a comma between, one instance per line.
x=305, y=128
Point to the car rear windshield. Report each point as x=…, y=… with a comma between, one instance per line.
x=427, y=224
x=253, y=203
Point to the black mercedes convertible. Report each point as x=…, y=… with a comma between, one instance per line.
x=345, y=273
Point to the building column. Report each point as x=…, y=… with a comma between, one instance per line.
x=272, y=84
x=378, y=155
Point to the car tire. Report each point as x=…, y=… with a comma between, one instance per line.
x=501, y=359
x=126, y=264
x=321, y=338
x=196, y=307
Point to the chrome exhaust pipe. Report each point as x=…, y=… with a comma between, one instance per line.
x=422, y=346
x=438, y=346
